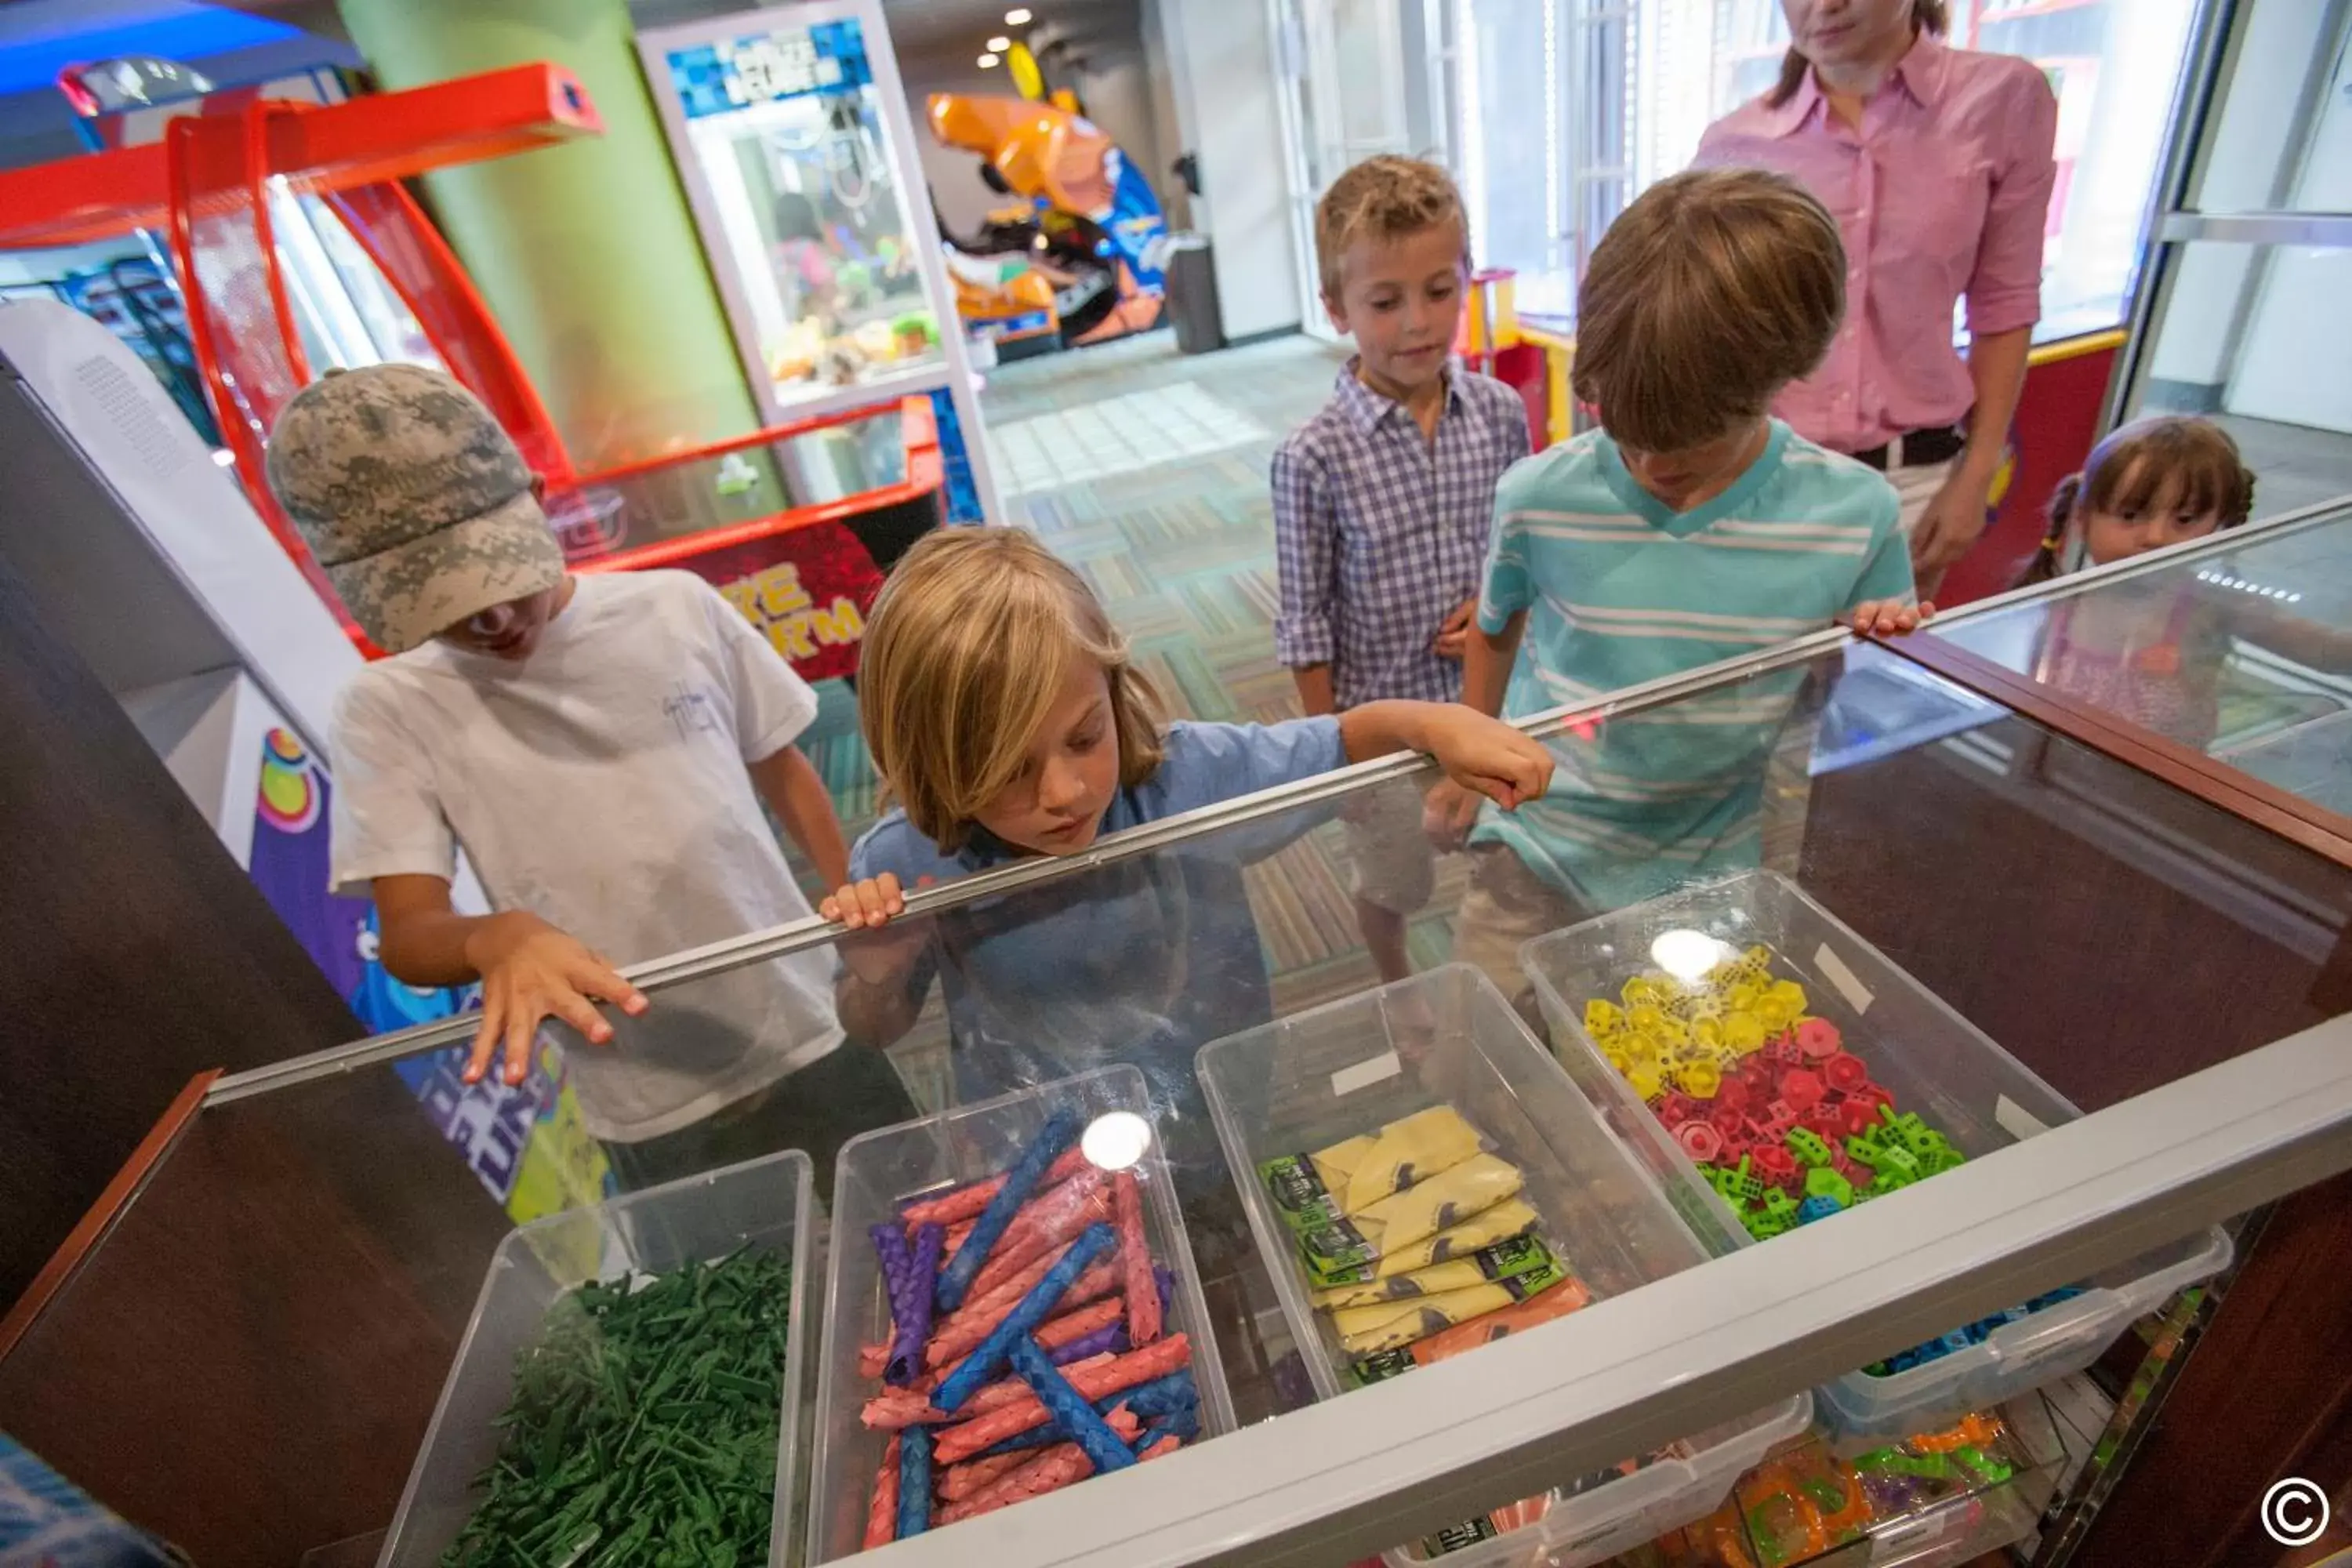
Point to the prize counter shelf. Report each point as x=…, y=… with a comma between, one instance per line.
x=245, y=1348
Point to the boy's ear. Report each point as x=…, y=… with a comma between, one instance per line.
x=1335, y=312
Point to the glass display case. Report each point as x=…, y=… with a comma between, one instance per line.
x=2236, y=648
x=1387, y=1264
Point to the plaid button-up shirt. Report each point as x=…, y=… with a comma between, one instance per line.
x=1381, y=533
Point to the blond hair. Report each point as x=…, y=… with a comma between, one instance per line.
x=1710, y=293
x=966, y=650
x=1383, y=199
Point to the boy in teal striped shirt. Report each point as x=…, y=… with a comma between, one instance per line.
x=1691, y=527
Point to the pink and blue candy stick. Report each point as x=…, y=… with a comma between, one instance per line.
x=1066, y=1405
x=914, y=1481
x=989, y=1357
x=1061, y=1130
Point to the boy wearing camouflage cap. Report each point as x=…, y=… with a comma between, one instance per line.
x=595, y=744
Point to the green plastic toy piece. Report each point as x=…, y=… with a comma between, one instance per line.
x=1751, y=1187
x=1929, y=1467
x=1826, y=1493
x=1894, y=1160
x=1988, y=1468
x=1824, y=1183
x=1807, y=1147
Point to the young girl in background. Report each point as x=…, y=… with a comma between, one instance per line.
x=2151, y=649
x=1007, y=722
x=2149, y=484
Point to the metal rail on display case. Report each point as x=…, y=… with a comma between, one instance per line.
x=1343, y=1479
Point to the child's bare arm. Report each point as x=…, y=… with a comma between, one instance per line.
x=529, y=971
x=874, y=996
x=1476, y=752
x=1305, y=542
x=1316, y=697
x=788, y=781
x=2306, y=642
x=1486, y=664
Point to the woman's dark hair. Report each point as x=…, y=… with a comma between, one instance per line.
x=1927, y=16
x=2131, y=470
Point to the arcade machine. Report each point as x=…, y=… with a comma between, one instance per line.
x=804, y=574
x=1091, y=225
x=791, y=134
x=216, y=185
x=1008, y=297
x=146, y=557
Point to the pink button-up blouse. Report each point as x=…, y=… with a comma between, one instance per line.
x=1944, y=191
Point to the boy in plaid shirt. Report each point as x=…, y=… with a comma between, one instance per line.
x=1383, y=502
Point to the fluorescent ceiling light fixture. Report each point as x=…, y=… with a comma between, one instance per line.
x=987, y=60
x=997, y=45
x=1016, y=18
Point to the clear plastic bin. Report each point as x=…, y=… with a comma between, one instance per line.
x=1937, y=1523
x=1449, y=1038
x=881, y=1170
x=1929, y=1058
x=765, y=1205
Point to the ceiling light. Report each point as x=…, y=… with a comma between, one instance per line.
x=998, y=45
x=988, y=60
x=1018, y=17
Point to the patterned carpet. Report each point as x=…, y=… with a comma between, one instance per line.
x=1147, y=470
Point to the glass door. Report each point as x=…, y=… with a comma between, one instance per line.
x=2252, y=252
x=1348, y=96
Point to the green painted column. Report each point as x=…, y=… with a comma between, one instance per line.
x=586, y=254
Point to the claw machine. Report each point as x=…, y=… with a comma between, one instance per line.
x=792, y=135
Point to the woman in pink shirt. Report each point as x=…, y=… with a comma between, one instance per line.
x=1937, y=165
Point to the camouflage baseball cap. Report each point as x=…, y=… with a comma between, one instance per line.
x=413, y=500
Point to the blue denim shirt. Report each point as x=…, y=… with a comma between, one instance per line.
x=1142, y=961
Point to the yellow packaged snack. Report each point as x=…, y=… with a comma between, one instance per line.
x=1505, y=1219
x=1514, y=1255
x=1388, y=1324
x=1442, y=1201
x=1407, y=1154
x=1334, y=1165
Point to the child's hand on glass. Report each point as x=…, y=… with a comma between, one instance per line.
x=531, y=972
x=1485, y=756
x=868, y=906
x=1889, y=618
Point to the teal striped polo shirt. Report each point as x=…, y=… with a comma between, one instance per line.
x=1618, y=590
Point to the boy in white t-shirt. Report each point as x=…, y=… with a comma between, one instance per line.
x=600, y=747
